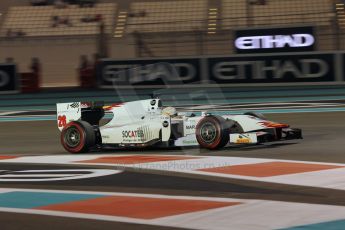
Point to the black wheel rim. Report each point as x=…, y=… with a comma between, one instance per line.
x=208, y=132
x=72, y=137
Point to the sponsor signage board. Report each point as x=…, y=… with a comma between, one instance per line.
x=273, y=40
x=272, y=68
x=263, y=68
x=148, y=72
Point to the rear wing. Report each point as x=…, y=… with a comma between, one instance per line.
x=91, y=112
x=67, y=112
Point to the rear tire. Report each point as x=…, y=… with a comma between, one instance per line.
x=212, y=132
x=78, y=137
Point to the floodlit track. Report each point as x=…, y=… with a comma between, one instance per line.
x=271, y=186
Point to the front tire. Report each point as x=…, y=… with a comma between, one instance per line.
x=212, y=132
x=78, y=137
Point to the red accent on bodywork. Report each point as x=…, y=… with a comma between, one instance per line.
x=110, y=107
x=269, y=124
x=117, y=105
x=62, y=121
x=7, y=157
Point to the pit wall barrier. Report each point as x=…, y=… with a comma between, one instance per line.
x=9, y=79
x=30, y=82
x=13, y=82
x=242, y=69
x=87, y=78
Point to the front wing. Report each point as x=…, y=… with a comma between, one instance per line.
x=269, y=135
x=262, y=136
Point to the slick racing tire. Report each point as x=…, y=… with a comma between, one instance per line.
x=78, y=137
x=212, y=132
x=257, y=115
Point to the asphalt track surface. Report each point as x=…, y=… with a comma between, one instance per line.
x=324, y=135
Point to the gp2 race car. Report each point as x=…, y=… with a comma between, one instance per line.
x=146, y=123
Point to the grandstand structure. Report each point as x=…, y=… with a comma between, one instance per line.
x=167, y=16
x=238, y=13
x=39, y=20
x=154, y=28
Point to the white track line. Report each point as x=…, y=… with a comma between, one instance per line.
x=326, y=178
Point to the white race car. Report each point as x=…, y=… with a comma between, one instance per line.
x=146, y=123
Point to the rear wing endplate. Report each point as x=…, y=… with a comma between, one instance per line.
x=67, y=112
